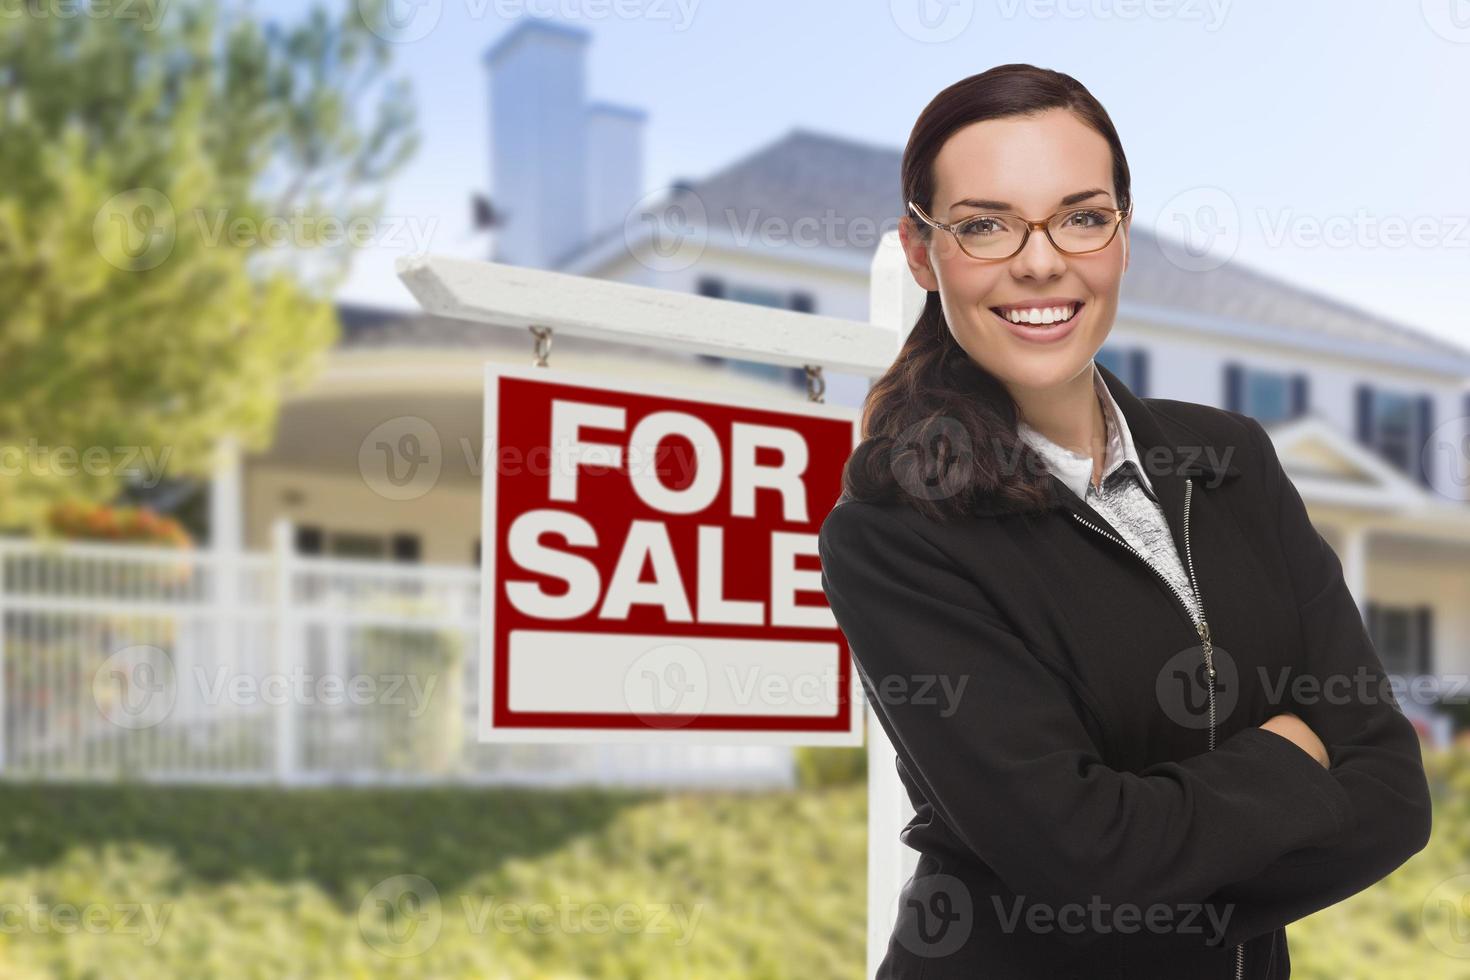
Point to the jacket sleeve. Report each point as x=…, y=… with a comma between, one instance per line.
x=1372, y=748
x=1009, y=764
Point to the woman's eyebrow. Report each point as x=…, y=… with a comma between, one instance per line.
x=1003, y=206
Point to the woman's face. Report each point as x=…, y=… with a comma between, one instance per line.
x=1032, y=166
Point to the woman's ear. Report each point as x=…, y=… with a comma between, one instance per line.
x=916, y=253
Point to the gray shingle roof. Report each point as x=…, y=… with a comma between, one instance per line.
x=846, y=184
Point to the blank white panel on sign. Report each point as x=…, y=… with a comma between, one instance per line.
x=654, y=675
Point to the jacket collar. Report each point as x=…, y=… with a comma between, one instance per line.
x=1171, y=452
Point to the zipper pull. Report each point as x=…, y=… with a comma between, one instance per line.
x=1203, y=628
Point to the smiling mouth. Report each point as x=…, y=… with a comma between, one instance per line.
x=1038, y=317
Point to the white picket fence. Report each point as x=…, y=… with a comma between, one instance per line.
x=155, y=664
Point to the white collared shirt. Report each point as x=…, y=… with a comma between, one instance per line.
x=1126, y=497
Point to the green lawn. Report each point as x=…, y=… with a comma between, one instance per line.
x=231, y=883
x=534, y=885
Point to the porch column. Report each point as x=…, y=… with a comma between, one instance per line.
x=221, y=632
x=1355, y=564
x=225, y=519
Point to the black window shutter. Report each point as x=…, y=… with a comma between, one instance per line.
x=1300, y=387
x=802, y=302
x=1138, y=365
x=1426, y=426
x=1234, y=387
x=1424, y=637
x=1372, y=610
x=1363, y=401
x=709, y=286
x=405, y=547
x=308, y=539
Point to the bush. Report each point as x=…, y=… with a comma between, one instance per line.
x=820, y=766
x=347, y=883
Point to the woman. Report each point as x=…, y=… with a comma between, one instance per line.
x=1167, y=733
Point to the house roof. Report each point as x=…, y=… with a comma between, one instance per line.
x=810, y=175
x=852, y=188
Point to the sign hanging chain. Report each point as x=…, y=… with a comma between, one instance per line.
x=816, y=385
x=542, y=345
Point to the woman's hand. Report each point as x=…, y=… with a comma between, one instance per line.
x=1290, y=726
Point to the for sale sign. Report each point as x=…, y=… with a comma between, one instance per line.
x=650, y=568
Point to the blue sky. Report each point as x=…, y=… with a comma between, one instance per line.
x=1323, y=124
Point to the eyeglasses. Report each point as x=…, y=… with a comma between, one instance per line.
x=1075, y=231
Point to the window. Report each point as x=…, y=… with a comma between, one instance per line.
x=1403, y=637
x=1266, y=396
x=756, y=295
x=1396, y=425
x=406, y=547
x=308, y=540
x=1130, y=364
x=312, y=540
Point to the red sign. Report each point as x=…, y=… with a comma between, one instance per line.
x=650, y=568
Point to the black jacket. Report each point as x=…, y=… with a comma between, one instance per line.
x=1045, y=693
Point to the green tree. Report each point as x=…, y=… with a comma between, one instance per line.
x=179, y=190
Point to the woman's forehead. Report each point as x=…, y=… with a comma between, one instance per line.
x=1029, y=162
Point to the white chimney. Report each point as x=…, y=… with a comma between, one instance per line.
x=538, y=141
x=615, y=164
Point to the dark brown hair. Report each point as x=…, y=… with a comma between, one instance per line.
x=926, y=419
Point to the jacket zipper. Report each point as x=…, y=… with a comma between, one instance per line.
x=1202, y=628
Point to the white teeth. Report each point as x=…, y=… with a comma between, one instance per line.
x=1039, y=315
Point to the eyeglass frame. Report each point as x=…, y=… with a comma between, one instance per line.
x=1045, y=226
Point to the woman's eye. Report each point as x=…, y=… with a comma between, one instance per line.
x=977, y=226
x=1087, y=218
